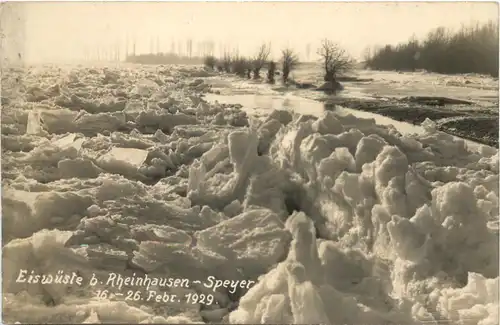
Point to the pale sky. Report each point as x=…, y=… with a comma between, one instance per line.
x=59, y=31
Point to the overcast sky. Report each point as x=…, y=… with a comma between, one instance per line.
x=50, y=31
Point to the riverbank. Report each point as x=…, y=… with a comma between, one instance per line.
x=462, y=105
x=466, y=121
x=458, y=116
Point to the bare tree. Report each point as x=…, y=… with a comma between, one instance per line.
x=335, y=60
x=271, y=70
x=260, y=59
x=289, y=61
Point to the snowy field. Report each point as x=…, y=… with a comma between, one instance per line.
x=130, y=175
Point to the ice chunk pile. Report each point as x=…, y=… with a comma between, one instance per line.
x=329, y=219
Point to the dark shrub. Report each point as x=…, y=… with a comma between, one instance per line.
x=240, y=66
x=210, y=62
x=471, y=49
x=271, y=71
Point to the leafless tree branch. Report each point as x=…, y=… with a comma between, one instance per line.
x=289, y=61
x=335, y=59
x=260, y=59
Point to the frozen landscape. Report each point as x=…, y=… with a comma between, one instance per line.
x=334, y=216
x=291, y=163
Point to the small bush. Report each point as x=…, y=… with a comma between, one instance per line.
x=219, y=66
x=210, y=62
x=240, y=66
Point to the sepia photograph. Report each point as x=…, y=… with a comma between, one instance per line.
x=247, y=162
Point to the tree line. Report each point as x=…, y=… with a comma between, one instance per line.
x=163, y=58
x=472, y=49
x=335, y=61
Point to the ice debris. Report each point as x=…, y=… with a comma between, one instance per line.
x=333, y=218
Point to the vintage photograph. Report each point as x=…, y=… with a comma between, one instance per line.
x=250, y=162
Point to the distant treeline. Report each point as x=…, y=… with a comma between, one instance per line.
x=472, y=49
x=163, y=58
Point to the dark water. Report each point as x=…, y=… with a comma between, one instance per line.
x=265, y=103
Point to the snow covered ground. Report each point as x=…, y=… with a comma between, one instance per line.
x=323, y=217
